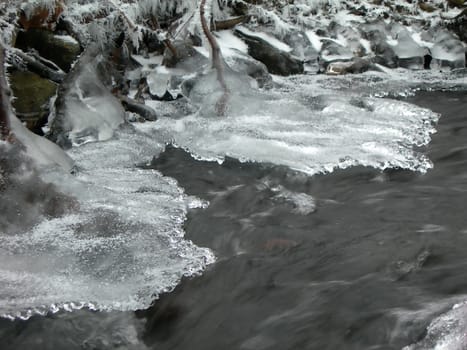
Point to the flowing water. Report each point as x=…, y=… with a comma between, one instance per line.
x=335, y=217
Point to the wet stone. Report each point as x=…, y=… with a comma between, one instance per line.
x=32, y=95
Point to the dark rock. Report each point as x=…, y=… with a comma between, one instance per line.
x=243, y=63
x=32, y=95
x=448, y=51
x=301, y=46
x=239, y=8
x=139, y=108
x=24, y=198
x=384, y=53
x=277, y=61
x=459, y=26
x=331, y=51
x=60, y=50
x=357, y=65
x=183, y=55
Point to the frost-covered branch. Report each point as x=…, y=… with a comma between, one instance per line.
x=18, y=58
x=5, y=107
x=217, y=62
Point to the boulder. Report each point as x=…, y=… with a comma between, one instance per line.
x=384, y=53
x=301, y=46
x=32, y=95
x=332, y=51
x=243, y=63
x=277, y=61
x=447, y=51
x=182, y=54
x=459, y=26
x=357, y=65
x=62, y=50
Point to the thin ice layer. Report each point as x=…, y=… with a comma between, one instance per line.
x=306, y=132
x=118, y=251
x=446, y=332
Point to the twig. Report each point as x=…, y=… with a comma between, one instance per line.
x=217, y=62
x=5, y=107
x=35, y=66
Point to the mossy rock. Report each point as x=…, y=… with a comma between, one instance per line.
x=62, y=50
x=32, y=95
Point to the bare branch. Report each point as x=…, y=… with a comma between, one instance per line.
x=34, y=65
x=217, y=62
x=5, y=107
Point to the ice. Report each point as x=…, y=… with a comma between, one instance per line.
x=411, y=54
x=333, y=50
x=446, y=332
x=227, y=41
x=118, y=251
x=42, y=151
x=92, y=113
x=447, y=51
x=311, y=134
x=158, y=82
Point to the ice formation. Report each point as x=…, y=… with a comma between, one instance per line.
x=118, y=251
x=312, y=134
x=446, y=332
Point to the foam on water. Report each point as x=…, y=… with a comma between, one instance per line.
x=309, y=129
x=118, y=251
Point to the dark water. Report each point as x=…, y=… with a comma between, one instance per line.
x=377, y=259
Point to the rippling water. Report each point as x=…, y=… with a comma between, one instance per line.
x=369, y=256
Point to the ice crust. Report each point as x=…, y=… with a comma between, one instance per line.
x=306, y=128
x=118, y=251
x=446, y=332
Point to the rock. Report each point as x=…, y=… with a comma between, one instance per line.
x=352, y=38
x=447, y=51
x=243, y=63
x=459, y=26
x=182, y=54
x=301, y=46
x=24, y=198
x=62, y=50
x=424, y=6
x=277, y=61
x=357, y=65
x=409, y=53
x=332, y=51
x=37, y=15
x=32, y=95
x=384, y=53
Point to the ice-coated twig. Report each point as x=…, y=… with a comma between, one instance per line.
x=217, y=62
x=5, y=107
